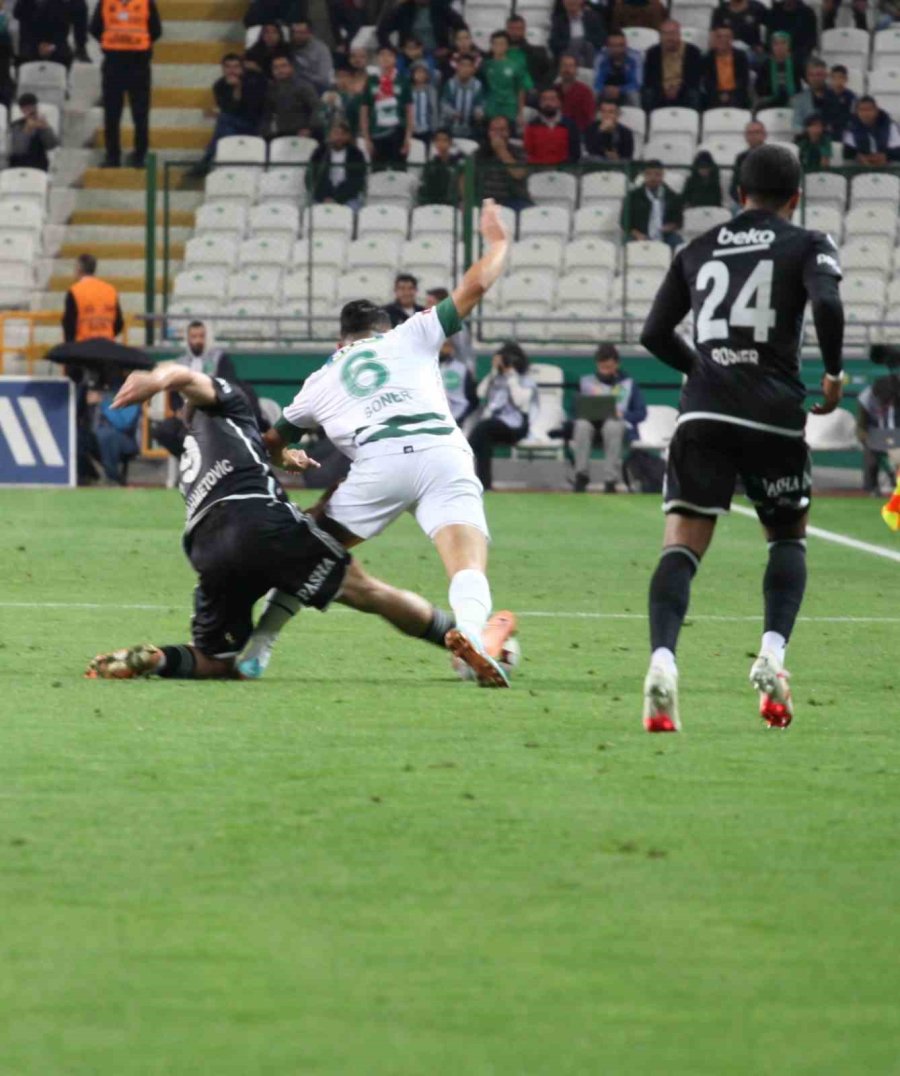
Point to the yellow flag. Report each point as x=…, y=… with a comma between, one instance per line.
x=891, y=511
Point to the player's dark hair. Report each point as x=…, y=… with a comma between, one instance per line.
x=770, y=175
x=438, y=293
x=361, y=316
x=87, y=263
x=406, y=278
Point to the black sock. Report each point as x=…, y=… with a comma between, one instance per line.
x=670, y=592
x=784, y=584
x=180, y=663
x=441, y=623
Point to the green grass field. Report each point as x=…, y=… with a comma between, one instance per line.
x=362, y=866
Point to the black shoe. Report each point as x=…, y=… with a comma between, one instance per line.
x=109, y=162
x=609, y=487
x=82, y=57
x=581, y=483
x=134, y=161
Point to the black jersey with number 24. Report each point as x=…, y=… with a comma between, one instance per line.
x=747, y=283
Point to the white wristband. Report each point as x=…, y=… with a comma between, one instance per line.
x=835, y=377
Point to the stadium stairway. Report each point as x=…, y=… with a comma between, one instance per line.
x=103, y=211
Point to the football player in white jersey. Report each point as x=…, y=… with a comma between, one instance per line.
x=381, y=401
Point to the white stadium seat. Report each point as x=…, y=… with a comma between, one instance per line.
x=885, y=80
x=590, y=253
x=329, y=249
x=823, y=218
x=871, y=254
x=200, y=284
x=639, y=285
x=699, y=219
x=723, y=148
x=181, y=311
x=292, y=149
x=281, y=185
x=47, y=81
x=777, y=121
x=391, y=187
x=647, y=254
x=585, y=286
x=544, y=220
x=599, y=219
x=886, y=44
x=528, y=287
x=373, y=251
x=872, y=218
x=238, y=327
x=299, y=284
x=25, y=184
x=553, y=188
x=19, y=216
x=725, y=121
x=274, y=218
x=417, y=153
x=658, y=428
x=641, y=37
x=667, y=121
x=826, y=188
x=845, y=42
x=671, y=149
x=427, y=250
x=863, y=289
x=635, y=119
x=17, y=247
x=874, y=187
x=241, y=149
x=369, y=284
x=329, y=218
x=382, y=220
x=16, y=284
x=228, y=217
x=550, y=412
x=264, y=250
x=211, y=248
x=262, y=282
x=544, y=252
x=893, y=294
x=432, y=220
x=605, y=186
x=232, y=184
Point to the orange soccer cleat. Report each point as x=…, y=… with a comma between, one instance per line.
x=127, y=664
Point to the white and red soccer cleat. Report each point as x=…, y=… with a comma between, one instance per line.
x=773, y=682
x=661, y=700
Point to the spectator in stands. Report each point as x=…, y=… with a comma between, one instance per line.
x=777, y=81
x=267, y=46
x=507, y=81
x=672, y=71
x=92, y=309
x=499, y=167
x=291, y=106
x=385, y=118
x=537, y=59
x=44, y=28
x=114, y=432
x=459, y=382
x=858, y=10
x=872, y=138
x=441, y=176
x=412, y=52
x=425, y=105
x=755, y=134
x=608, y=139
x=338, y=168
x=551, y=138
x=578, y=103
x=432, y=21
x=126, y=35
x=462, y=340
x=619, y=72
x=814, y=144
x=703, y=186
x=846, y=99
x=311, y=57
x=30, y=137
x=798, y=21
x=817, y=97
x=627, y=13
x=613, y=433
x=878, y=408
x=726, y=73
x=268, y=11
x=463, y=45
x=462, y=100
x=7, y=85
x=887, y=13
x=653, y=210
x=240, y=96
x=344, y=101
x=578, y=31
x=347, y=18
x=406, y=287
x=746, y=19
x=510, y=398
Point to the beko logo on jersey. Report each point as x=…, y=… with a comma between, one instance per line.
x=753, y=237
x=726, y=356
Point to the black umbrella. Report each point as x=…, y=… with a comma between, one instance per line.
x=101, y=355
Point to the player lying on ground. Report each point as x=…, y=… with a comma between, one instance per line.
x=742, y=412
x=245, y=539
x=381, y=401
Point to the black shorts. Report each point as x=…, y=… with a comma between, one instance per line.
x=241, y=549
x=707, y=457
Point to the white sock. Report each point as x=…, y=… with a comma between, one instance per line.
x=470, y=600
x=774, y=641
x=663, y=657
x=281, y=606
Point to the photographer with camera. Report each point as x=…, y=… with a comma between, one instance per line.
x=510, y=398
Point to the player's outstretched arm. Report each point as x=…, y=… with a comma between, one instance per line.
x=166, y=377
x=828, y=318
x=481, y=276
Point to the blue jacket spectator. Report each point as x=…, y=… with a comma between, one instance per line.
x=618, y=74
x=872, y=137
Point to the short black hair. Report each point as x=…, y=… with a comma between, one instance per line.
x=438, y=293
x=406, y=278
x=27, y=99
x=362, y=316
x=342, y=125
x=195, y=324
x=229, y=56
x=282, y=52
x=839, y=69
x=442, y=131
x=87, y=263
x=867, y=99
x=653, y=163
x=386, y=48
x=514, y=356
x=606, y=351
x=770, y=175
x=500, y=33
x=515, y=17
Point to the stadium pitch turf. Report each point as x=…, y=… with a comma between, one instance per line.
x=361, y=865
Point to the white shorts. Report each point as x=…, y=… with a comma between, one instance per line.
x=438, y=485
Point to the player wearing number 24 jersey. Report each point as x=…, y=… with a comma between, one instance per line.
x=742, y=412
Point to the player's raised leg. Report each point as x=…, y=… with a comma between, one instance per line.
x=686, y=539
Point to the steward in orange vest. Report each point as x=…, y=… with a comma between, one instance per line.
x=92, y=305
x=126, y=30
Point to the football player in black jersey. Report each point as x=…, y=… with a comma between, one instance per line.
x=742, y=412
x=246, y=539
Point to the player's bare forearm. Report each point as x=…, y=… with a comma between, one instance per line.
x=167, y=377
x=481, y=276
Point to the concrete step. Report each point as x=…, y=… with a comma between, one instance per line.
x=135, y=179
x=105, y=199
x=116, y=250
x=132, y=303
x=201, y=10
x=189, y=75
x=190, y=52
x=132, y=279
x=182, y=97
x=185, y=137
x=105, y=219
x=192, y=30
x=96, y=235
